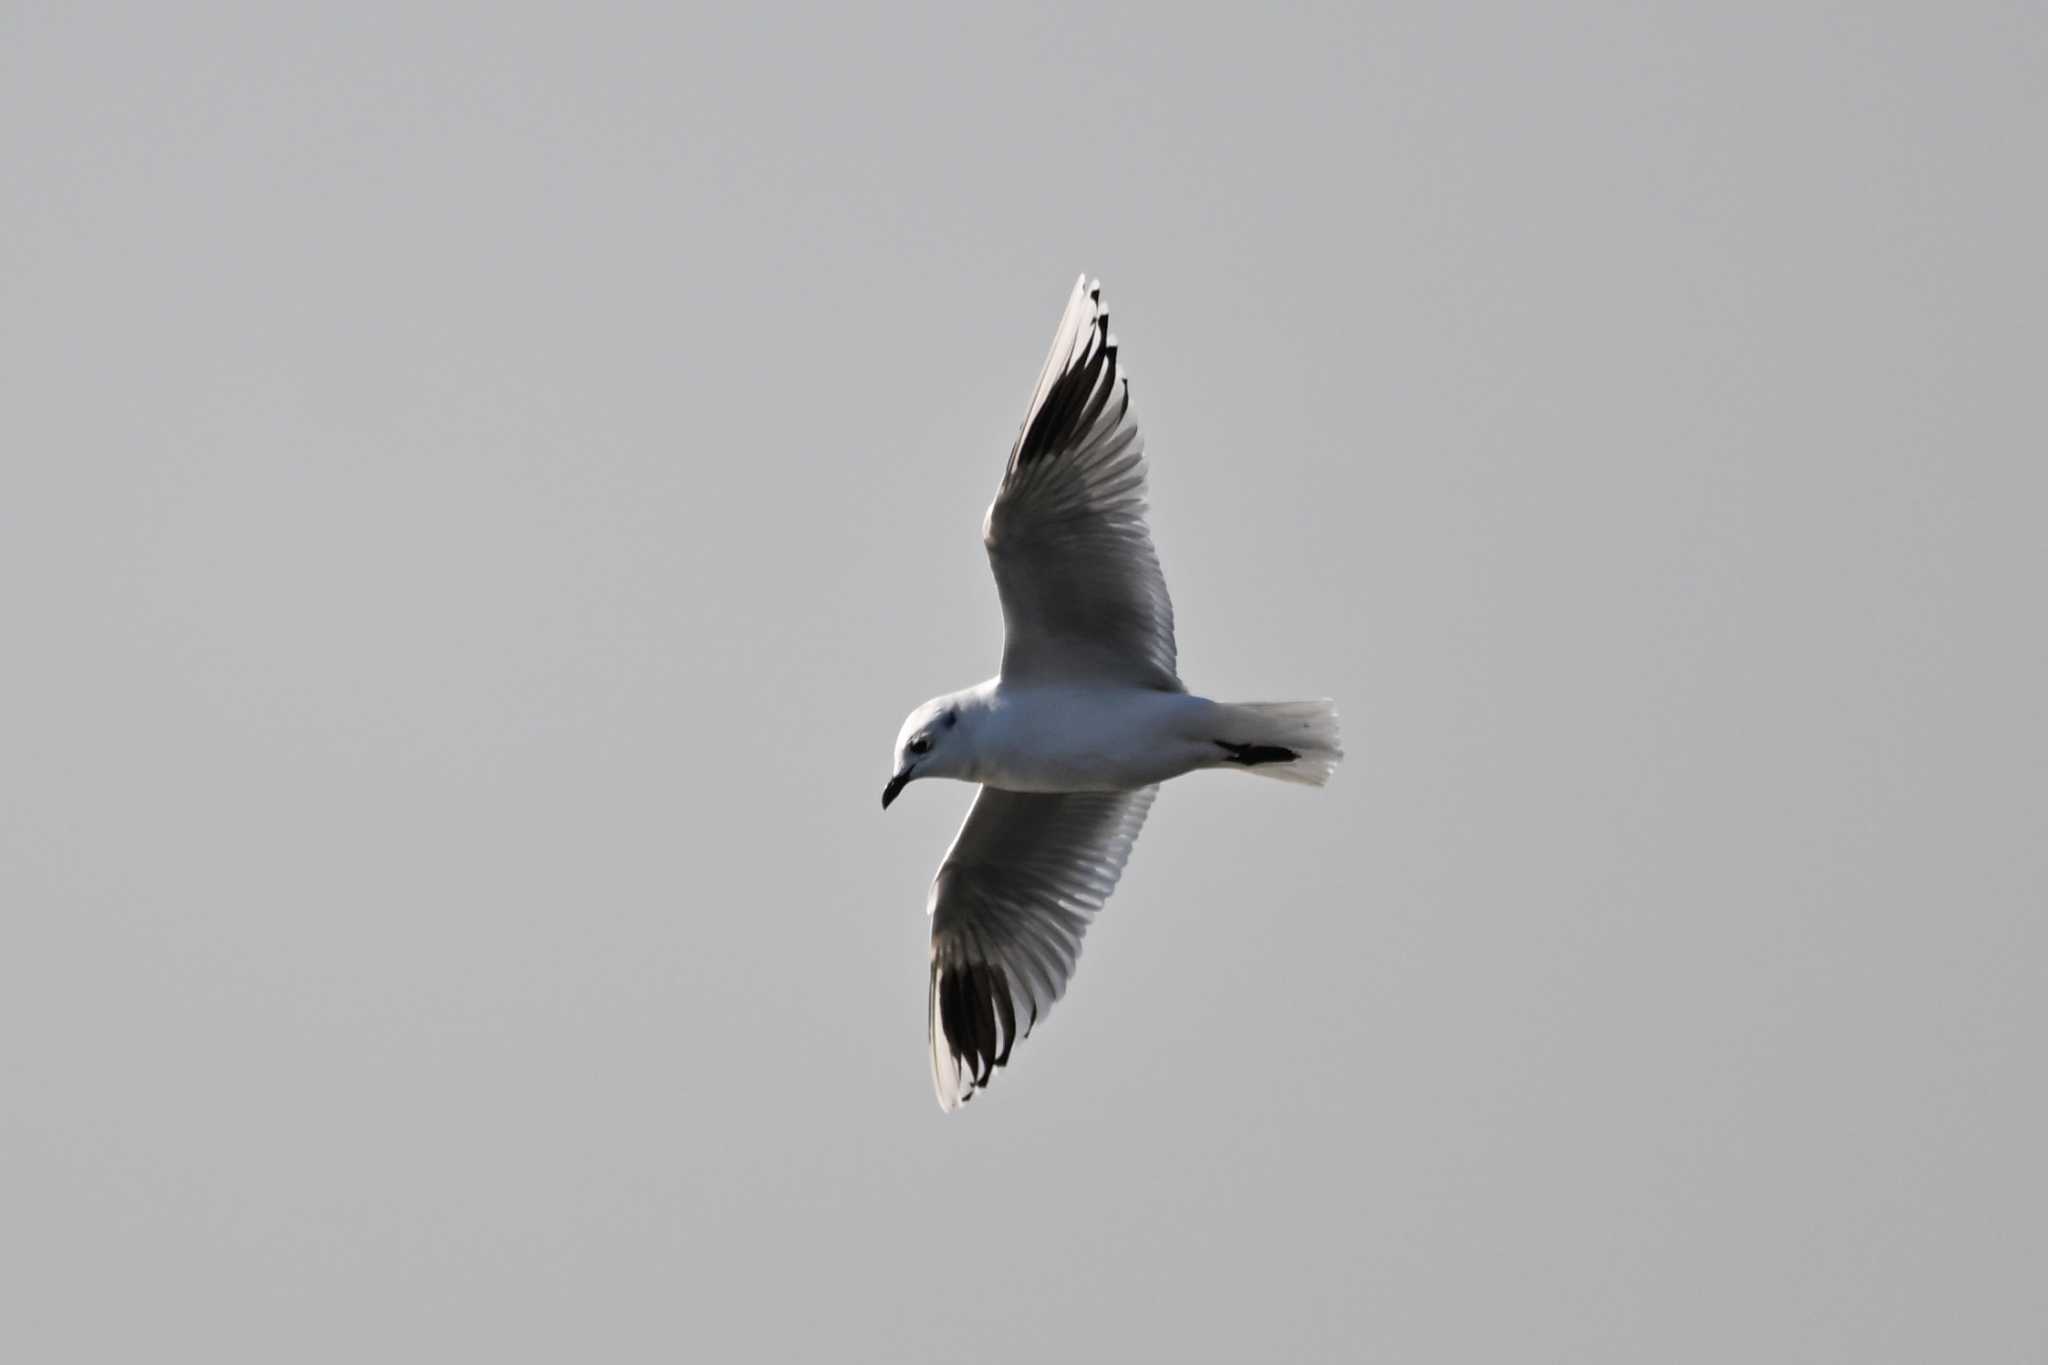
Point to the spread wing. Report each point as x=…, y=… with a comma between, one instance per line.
x=1025, y=875
x=1083, y=597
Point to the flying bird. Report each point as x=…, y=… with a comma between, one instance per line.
x=1071, y=739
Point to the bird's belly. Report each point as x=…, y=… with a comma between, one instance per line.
x=1066, y=741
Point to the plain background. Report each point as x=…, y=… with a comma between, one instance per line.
x=481, y=490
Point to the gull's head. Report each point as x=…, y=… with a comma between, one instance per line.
x=929, y=745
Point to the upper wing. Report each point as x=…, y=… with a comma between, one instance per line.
x=1083, y=597
x=1025, y=875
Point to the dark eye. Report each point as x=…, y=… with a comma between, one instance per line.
x=921, y=745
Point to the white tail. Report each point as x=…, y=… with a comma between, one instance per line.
x=1304, y=733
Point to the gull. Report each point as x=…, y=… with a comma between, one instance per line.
x=1071, y=739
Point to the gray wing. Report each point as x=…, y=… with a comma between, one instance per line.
x=1083, y=597
x=1025, y=875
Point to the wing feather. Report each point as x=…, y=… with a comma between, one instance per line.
x=1083, y=595
x=1024, y=878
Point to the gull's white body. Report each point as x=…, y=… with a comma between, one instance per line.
x=1070, y=742
x=1079, y=738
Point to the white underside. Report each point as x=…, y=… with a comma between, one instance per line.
x=1068, y=739
x=1080, y=738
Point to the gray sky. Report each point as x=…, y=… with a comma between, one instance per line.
x=478, y=494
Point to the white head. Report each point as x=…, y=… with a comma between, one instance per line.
x=932, y=743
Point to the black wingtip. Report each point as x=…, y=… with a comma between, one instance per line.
x=976, y=1017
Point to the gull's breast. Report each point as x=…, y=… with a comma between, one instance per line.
x=1064, y=739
